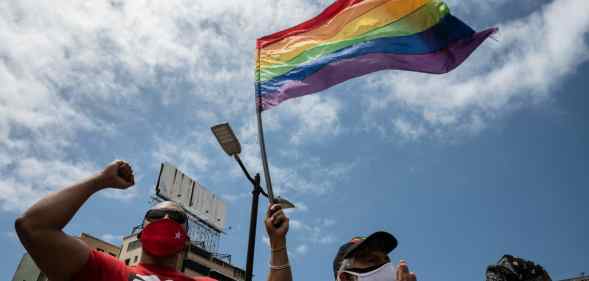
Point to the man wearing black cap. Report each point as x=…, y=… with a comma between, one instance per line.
x=366, y=259
x=361, y=259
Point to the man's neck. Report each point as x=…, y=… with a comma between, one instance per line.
x=171, y=261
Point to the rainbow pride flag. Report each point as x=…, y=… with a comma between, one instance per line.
x=355, y=37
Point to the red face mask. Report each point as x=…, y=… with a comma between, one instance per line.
x=163, y=238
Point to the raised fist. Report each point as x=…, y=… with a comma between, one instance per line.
x=117, y=174
x=276, y=222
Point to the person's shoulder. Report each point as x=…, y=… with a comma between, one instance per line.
x=101, y=266
x=106, y=258
x=108, y=261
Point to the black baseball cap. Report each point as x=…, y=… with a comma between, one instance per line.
x=379, y=240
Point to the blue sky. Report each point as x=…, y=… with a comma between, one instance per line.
x=463, y=168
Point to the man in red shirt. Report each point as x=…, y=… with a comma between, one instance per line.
x=65, y=258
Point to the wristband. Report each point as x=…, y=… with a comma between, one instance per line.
x=279, y=267
x=278, y=249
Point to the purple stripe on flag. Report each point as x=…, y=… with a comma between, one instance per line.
x=439, y=62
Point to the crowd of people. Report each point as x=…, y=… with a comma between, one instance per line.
x=165, y=242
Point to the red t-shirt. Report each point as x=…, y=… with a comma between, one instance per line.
x=103, y=267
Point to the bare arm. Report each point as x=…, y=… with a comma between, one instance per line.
x=39, y=229
x=277, y=226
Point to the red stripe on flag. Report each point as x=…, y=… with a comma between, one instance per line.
x=315, y=22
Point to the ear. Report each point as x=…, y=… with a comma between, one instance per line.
x=186, y=249
x=139, y=234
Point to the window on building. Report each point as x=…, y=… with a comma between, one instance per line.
x=100, y=250
x=217, y=275
x=196, y=267
x=127, y=261
x=238, y=273
x=135, y=259
x=134, y=245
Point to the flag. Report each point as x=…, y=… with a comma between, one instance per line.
x=355, y=37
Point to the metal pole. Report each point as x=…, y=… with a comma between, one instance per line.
x=261, y=134
x=249, y=267
x=264, y=158
x=247, y=174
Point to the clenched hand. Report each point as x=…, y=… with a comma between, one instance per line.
x=117, y=174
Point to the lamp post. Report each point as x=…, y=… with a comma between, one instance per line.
x=232, y=147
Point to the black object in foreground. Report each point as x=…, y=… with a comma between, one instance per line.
x=510, y=268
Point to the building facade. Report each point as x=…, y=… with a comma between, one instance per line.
x=27, y=270
x=100, y=245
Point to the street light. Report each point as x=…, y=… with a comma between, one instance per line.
x=232, y=147
x=227, y=139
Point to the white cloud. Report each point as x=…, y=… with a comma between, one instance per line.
x=316, y=233
x=62, y=63
x=110, y=70
x=34, y=178
x=301, y=249
x=119, y=194
x=327, y=222
x=317, y=118
x=481, y=7
x=266, y=240
x=299, y=207
x=295, y=224
x=235, y=197
x=11, y=235
x=187, y=153
x=532, y=55
x=296, y=172
x=408, y=130
x=52, y=173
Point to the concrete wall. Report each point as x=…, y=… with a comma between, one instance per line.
x=99, y=245
x=130, y=250
x=27, y=270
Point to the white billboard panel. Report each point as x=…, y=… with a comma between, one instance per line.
x=196, y=196
x=176, y=186
x=185, y=191
x=218, y=212
x=205, y=205
x=165, y=181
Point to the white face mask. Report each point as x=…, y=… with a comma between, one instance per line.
x=384, y=273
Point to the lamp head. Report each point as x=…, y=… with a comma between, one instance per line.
x=226, y=139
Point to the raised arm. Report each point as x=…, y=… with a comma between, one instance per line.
x=39, y=229
x=277, y=226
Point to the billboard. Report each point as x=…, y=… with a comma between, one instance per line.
x=174, y=185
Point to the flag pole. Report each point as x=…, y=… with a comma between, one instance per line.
x=261, y=132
